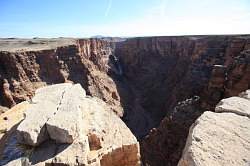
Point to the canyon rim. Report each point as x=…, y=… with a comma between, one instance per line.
x=158, y=86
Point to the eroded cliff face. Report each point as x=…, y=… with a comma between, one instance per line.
x=143, y=80
x=72, y=129
x=166, y=70
x=83, y=61
x=163, y=71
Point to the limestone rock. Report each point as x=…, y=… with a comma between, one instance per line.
x=67, y=122
x=45, y=103
x=83, y=131
x=236, y=105
x=218, y=139
x=147, y=77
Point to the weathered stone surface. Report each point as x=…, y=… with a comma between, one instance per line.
x=29, y=64
x=245, y=94
x=67, y=122
x=83, y=131
x=142, y=79
x=218, y=139
x=162, y=71
x=236, y=105
x=32, y=130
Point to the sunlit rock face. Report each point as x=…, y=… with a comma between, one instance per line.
x=63, y=126
x=220, y=138
x=143, y=80
x=29, y=64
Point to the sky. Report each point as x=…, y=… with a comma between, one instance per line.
x=124, y=18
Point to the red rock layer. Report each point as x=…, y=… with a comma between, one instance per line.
x=85, y=62
x=145, y=77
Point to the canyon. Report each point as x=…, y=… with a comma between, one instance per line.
x=158, y=86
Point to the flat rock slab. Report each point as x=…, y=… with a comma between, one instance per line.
x=32, y=129
x=66, y=125
x=237, y=105
x=218, y=139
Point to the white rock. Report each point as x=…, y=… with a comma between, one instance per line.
x=67, y=123
x=32, y=129
x=218, y=139
x=240, y=106
x=81, y=131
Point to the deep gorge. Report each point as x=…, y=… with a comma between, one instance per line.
x=157, y=85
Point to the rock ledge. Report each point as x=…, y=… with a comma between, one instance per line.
x=220, y=137
x=64, y=126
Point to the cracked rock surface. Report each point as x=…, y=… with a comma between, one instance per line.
x=220, y=138
x=64, y=126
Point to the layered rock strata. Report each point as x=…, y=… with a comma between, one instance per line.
x=162, y=71
x=26, y=67
x=142, y=79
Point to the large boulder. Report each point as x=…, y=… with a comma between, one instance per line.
x=67, y=122
x=220, y=138
x=43, y=106
x=80, y=130
x=235, y=105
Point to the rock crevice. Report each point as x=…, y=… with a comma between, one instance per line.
x=82, y=131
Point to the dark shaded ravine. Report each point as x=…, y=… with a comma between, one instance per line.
x=178, y=78
x=146, y=81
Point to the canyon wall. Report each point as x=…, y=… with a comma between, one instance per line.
x=164, y=82
x=84, y=61
x=164, y=72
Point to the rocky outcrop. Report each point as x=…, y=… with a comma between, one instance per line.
x=235, y=105
x=220, y=138
x=32, y=131
x=26, y=67
x=163, y=145
x=141, y=79
x=71, y=128
x=162, y=71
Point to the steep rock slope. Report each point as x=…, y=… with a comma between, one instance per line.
x=27, y=65
x=220, y=138
x=72, y=129
x=163, y=72
x=142, y=79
